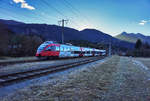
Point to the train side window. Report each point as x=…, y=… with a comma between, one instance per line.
x=83, y=52
x=68, y=49
x=88, y=52
x=57, y=48
x=64, y=49
x=48, y=49
x=53, y=48
x=61, y=49
x=76, y=52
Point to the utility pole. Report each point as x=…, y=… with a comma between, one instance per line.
x=109, y=54
x=63, y=23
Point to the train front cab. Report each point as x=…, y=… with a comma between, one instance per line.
x=49, y=51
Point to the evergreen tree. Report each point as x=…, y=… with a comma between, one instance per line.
x=138, y=44
x=146, y=45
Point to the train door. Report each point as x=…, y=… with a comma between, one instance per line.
x=64, y=51
x=61, y=54
x=67, y=51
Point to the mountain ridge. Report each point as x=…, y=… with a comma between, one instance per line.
x=53, y=32
x=132, y=37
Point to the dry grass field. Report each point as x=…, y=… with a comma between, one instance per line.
x=117, y=79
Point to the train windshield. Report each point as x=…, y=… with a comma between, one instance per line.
x=41, y=47
x=51, y=48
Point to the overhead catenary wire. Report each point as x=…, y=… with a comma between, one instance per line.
x=40, y=16
x=59, y=12
x=13, y=14
x=77, y=12
x=75, y=15
x=49, y=5
x=46, y=13
x=62, y=14
x=44, y=18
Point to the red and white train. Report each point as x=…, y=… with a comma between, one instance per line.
x=50, y=49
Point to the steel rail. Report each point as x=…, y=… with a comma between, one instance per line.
x=19, y=76
x=34, y=60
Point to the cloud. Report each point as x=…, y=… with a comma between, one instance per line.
x=24, y=4
x=143, y=22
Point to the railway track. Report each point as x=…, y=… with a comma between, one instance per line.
x=8, y=79
x=29, y=61
x=15, y=62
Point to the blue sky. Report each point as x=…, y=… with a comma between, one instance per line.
x=109, y=16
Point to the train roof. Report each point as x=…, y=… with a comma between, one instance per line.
x=50, y=42
x=68, y=44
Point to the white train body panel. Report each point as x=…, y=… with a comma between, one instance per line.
x=75, y=51
x=65, y=51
